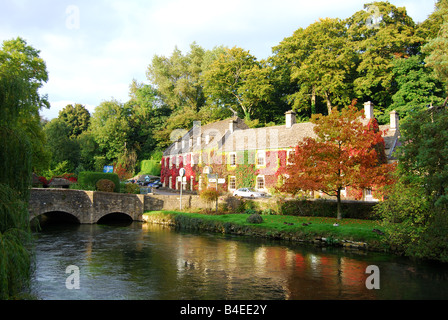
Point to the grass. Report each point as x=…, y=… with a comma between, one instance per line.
x=348, y=229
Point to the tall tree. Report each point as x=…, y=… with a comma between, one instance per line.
x=77, y=117
x=22, y=74
x=378, y=34
x=416, y=87
x=322, y=64
x=177, y=78
x=238, y=81
x=437, y=49
x=110, y=128
x=346, y=152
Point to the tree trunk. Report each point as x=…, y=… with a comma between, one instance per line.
x=327, y=97
x=338, y=195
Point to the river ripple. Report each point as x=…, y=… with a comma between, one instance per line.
x=144, y=261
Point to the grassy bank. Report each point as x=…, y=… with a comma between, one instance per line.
x=350, y=232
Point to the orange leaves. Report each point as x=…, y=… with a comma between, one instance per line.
x=346, y=152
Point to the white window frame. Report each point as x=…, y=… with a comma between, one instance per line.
x=230, y=184
x=264, y=183
x=232, y=155
x=263, y=153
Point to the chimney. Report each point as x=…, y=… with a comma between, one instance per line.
x=290, y=118
x=368, y=110
x=394, y=120
x=232, y=125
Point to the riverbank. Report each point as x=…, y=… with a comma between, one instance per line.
x=348, y=233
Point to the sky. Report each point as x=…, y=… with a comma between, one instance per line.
x=93, y=49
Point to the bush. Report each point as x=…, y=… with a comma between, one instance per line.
x=132, y=188
x=105, y=185
x=255, y=218
x=89, y=179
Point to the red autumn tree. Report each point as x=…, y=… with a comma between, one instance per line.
x=346, y=151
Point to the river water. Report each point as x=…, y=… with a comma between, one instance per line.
x=144, y=261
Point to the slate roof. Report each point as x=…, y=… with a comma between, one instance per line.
x=245, y=138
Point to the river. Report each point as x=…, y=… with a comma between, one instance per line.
x=142, y=261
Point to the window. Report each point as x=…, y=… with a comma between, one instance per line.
x=260, y=182
x=261, y=155
x=192, y=159
x=232, y=183
x=232, y=159
x=185, y=160
x=171, y=162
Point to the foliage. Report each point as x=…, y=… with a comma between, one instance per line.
x=423, y=156
x=132, y=188
x=209, y=195
x=237, y=80
x=345, y=152
x=322, y=64
x=62, y=148
x=22, y=74
x=437, y=50
x=416, y=87
x=87, y=179
x=77, y=118
x=150, y=167
x=378, y=34
x=105, y=185
x=110, y=128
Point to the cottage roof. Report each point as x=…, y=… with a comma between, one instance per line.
x=244, y=138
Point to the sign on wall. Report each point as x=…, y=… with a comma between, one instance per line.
x=108, y=169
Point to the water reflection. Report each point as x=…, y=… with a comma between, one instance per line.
x=144, y=261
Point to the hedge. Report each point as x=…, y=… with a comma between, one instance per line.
x=327, y=208
x=150, y=167
x=88, y=178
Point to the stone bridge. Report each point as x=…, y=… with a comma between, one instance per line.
x=88, y=207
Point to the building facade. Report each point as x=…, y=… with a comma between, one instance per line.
x=229, y=155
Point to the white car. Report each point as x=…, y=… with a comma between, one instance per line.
x=248, y=193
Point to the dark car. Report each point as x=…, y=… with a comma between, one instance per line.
x=155, y=184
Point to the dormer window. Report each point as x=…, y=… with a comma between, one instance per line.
x=207, y=139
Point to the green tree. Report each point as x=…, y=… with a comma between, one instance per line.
x=437, y=49
x=110, y=128
x=236, y=80
x=416, y=87
x=77, y=117
x=60, y=145
x=149, y=115
x=22, y=74
x=414, y=214
x=322, y=64
x=177, y=78
x=378, y=34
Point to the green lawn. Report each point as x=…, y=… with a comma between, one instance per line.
x=348, y=229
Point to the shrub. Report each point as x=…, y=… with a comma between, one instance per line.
x=209, y=195
x=132, y=188
x=255, y=218
x=105, y=185
x=89, y=179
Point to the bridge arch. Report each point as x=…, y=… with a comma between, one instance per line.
x=115, y=217
x=53, y=217
x=88, y=207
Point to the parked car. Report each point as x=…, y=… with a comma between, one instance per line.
x=155, y=184
x=248, y=193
